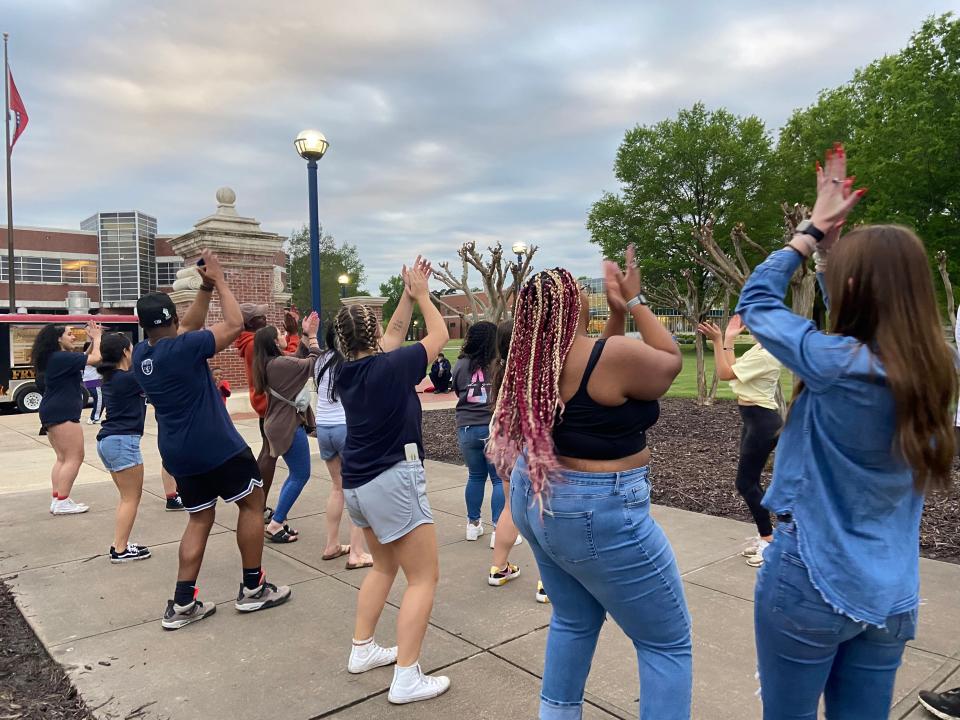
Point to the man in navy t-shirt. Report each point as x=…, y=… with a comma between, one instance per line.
x=199, y=444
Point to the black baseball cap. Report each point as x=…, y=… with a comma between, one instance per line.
x=155, y=310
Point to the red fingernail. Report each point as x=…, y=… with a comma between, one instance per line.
x=829, y=154
x=862, y=191
x=817, y=166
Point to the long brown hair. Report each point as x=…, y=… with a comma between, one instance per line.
x=881, y=293
x=265, y=348
x=545, y=325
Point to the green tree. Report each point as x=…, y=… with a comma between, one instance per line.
x=899, y=118
x=679, y=176
x=335, y=260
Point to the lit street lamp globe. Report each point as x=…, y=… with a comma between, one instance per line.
x=519, y=247
x=311, y=144
x=344, y=279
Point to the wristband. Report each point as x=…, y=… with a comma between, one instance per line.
x=207, y=287
x=640, y=299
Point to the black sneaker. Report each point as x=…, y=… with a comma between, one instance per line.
x=176, y=616
x=131, y=553
x=174, y=504
x=262, y=597
x=945, y=705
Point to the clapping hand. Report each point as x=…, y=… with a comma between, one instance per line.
x=735, y=326
x=622, y=285
x=210, y=270
x=93, y=330
x=835, y=196
x=710, y=330
x=416, y=280
x=311, y=323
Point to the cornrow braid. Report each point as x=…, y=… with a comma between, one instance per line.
x=356, y=330
x=545, y=326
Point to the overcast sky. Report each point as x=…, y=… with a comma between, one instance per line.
x=447, y=120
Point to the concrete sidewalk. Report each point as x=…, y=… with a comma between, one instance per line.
x=101, y=621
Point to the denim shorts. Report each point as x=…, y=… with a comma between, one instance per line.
x=393, y=503
x=331, y=439
x=120, y=452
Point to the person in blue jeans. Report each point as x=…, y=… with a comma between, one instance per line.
x=471, y=382
x=868, y=432
x=282, y=378
x=572, y=413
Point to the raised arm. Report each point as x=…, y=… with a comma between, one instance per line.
x=647, y=367
x=228, y=329
x=95, y=333
x=417, y=285
x=723, y=353
x=399, y=324
x=196, y=315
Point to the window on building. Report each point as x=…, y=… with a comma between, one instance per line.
x=167, y=272
x=29, y=269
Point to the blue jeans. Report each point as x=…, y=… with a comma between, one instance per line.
x=600, y=552
x=297, y=459
x=473, y=440
x=805, y=649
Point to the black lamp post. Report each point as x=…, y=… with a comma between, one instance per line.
x=311, y=144
x=519, y=249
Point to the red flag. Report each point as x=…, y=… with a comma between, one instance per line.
x=19, y=111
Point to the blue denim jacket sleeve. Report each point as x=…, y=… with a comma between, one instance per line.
x=815, y=357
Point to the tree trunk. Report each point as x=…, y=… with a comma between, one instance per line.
x=947, y=286
x=803, y=286
x=724, y=321
x=701, y=371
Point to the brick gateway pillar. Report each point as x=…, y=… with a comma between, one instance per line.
x=254, y=265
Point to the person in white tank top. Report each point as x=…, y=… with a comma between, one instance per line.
x=331, y=436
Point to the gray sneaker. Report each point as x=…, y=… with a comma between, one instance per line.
x=265, y=596
x=177, y=616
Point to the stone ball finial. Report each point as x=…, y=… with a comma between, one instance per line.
x=226, y=196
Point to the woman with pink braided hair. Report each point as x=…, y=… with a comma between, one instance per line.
x=572, y=413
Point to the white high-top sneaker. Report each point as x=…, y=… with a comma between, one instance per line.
x=368, y=655
x=410, y=685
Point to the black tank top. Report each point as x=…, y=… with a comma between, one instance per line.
x=590, y=431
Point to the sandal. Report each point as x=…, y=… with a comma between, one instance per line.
x=290, y=530
x=359, y=566
x=344, y=550
x=280, y=536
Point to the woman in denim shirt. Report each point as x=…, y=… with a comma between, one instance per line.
x=868, y=432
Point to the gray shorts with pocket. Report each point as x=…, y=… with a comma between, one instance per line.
x=393, y=503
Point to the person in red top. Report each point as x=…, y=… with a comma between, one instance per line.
x=223, y=386
x=254, y=318
x=291, y=328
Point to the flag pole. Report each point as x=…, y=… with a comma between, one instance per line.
x=6, y=117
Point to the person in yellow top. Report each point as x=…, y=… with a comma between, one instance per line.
x=754, y=378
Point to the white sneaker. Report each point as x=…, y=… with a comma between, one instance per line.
x=368, y=656
x=752, y=546
x=493, y=540
x=53, y=504
x=756, y=560
x=410, y=685
x=474, y=531
x=68, y=507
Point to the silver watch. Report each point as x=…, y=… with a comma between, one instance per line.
x=640, y=299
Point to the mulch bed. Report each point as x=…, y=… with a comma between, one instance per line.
x=695, y=452
x=32, y=685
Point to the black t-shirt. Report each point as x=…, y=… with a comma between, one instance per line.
x=63, y=388
x=383, y=411
x=125, y=405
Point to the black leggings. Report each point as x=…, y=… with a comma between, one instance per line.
x=758, y=438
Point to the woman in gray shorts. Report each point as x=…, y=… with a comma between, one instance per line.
x=383, y=480
x=331, y=436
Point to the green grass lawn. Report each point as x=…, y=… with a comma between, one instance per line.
x=685, y=386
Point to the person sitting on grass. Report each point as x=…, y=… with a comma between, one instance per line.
x=440, y=374
x=199, y=444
